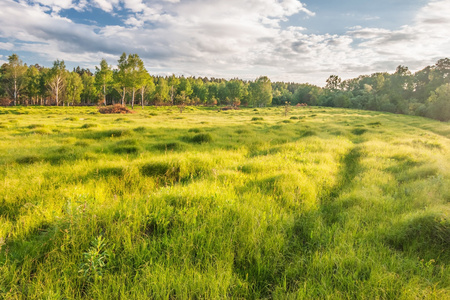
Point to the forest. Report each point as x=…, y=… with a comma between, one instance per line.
x=423, y=93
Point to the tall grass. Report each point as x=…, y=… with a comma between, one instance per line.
x=333, y=204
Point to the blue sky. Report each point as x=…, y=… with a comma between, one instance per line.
x=289, y=40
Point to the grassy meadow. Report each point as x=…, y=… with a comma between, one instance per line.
x=247, y=204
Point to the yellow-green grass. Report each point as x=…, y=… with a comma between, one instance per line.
x=322, y=203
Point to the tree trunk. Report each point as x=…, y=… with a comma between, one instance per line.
x=132, y=98
x=142, y=97
x=123, y=97
x=15, y=92
x=104, y=94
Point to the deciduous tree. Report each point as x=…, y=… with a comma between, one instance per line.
x=14, y=77
x=103, y=77
x=57, y=79
x=74, y=88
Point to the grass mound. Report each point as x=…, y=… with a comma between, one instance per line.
x=128, y=149
x=359, y=131
x=425, y=234
x=28, y=160
x=201, y=138
x=171, y=146
x=175, y=171
x=89, y=125
x=169, y=172
x=195, y=130
x=109, y=171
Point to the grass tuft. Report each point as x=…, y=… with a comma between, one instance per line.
x=201, y=138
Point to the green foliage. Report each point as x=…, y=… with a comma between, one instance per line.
x=94, y=260
x=439, y=103
x=403, y=92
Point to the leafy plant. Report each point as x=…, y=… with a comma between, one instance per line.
x=94, y=260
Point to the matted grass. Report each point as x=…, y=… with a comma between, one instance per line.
x=320, y=204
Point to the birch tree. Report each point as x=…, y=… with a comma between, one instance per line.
x=147, y=85
x=122, y=75
x=103, y=77
x=57, y=79
x=14, y=77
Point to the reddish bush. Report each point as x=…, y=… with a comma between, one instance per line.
x=114, y=109
x=5, y=101
x=230, y=108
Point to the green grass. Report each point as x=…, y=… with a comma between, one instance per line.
x=329, y=204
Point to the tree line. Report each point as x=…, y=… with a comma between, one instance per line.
x=128, y=84
x=423, y=93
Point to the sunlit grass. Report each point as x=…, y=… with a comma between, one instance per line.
x=322, y=203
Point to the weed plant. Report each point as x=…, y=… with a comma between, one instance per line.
x=333, y=204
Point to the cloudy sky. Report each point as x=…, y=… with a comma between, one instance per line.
x=289, y=40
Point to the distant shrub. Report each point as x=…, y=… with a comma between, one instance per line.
x=230, y=108
x=294, y=118
x=257, y=119
x=286, y=121
x=375, y=124
x=202, y=138
x=5, y=101
x=195, y=130
x=114, y=109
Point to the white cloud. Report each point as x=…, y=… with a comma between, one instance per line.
x=6, y=46
x=426, y=38
x=106, y=5
x=225, y=38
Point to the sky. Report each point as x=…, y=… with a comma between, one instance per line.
x=287, y=40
